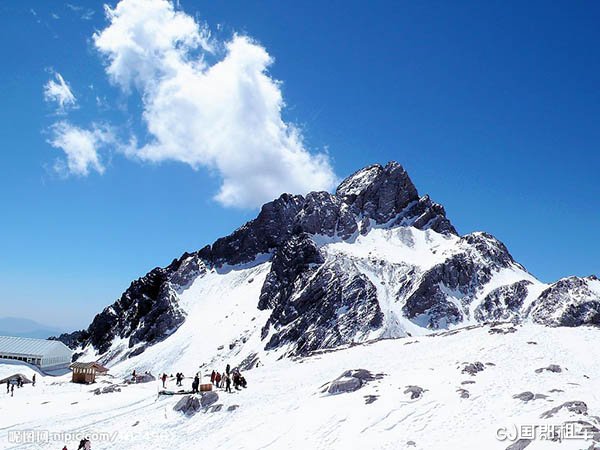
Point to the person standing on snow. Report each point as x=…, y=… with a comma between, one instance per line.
x=227, y=384
x=7, y=386
x=195, y=384
x=218, y=380
x=33, y=380
x=213, y=375
x=164, y=380
x=227, y=369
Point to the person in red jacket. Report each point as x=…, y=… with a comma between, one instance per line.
x=218, y=379
x=212, y=377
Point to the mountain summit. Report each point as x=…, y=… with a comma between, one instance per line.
x=374, y=260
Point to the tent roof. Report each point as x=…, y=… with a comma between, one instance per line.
x=14, y=377
x=29, y=346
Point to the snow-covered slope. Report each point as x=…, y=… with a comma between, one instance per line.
x=451, y=390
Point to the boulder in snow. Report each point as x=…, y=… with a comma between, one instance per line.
x=208, y=398
x=577, y=407
x=350, y=381
x=188, y=405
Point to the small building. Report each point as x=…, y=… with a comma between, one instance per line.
x=85, y=372
x=45, y=354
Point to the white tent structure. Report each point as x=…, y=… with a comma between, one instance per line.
x=47, y=355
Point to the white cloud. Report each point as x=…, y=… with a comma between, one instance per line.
x=81, y=148
x=224, y=116
x=58, y=90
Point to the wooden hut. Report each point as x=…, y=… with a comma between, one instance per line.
x=86, y=372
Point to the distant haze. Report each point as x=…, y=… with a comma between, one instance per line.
x=17, y=326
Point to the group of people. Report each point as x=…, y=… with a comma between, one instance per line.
x=227, y=378
x=219, y=380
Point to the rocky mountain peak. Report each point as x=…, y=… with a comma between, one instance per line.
x=380, y=193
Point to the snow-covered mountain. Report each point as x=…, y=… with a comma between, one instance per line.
x=374, y=260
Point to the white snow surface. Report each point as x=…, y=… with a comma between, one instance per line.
x=284, y=406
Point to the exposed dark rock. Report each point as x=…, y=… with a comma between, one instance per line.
x=473, y=368
x=414, y=391
x=527, y=396
x=463, y=393
x=577, y=407
x=330, y=304
x=323, y=213
x=233, y=407
x=462, y=273
x=519, y=444
x=107, y=389
x=370, y=399
x=342, y=385
x=296, y=258
x=146, y=313
x=188, y=405
x=350, y=381
x=503, y=303
x=268, y=231
x=551, y=368
x=215, y=408
x=250, y=362
x=568, y=302
x=208, y=398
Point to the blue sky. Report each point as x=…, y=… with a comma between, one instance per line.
x=492, y=107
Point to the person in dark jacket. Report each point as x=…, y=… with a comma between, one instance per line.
x=33, y=380
x=7, y=386
x=218, y=379
x=164, y=380
x=227, y=383
x=213, y=375
x=227, y=369
x=196, y=384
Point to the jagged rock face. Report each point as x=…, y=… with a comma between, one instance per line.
x=146, y=313
x=323, y=213
x=424, y=214
x=380, y=193
x=443, y=291
x=570, y=302
x=315, y=304
x=376, y=193
x=261, y=235
x=293, y=260
x=503, y=303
